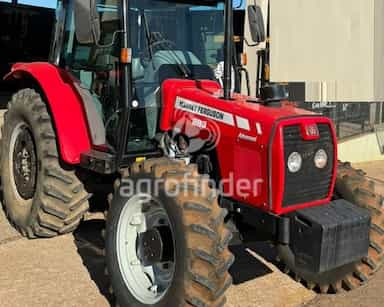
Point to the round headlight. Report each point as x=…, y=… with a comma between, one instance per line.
x=294, y=162
x=321, y=158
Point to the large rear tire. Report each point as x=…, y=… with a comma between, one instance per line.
x=197, y=236
x=43, y=197
x=354, y=186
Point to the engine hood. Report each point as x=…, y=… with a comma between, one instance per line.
x=204, y=98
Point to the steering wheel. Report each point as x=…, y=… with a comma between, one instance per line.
x=145, y=57
x=163, y=42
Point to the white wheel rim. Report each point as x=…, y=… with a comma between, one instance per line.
x=140, y=280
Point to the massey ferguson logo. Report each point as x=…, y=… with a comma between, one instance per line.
x=205, y=111
x=312, y=130
x=202, y=110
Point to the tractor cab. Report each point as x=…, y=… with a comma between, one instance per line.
x=120, y=53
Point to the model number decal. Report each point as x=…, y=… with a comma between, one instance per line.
x=199, y=123
x=202, y=110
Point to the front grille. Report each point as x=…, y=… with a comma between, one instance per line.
x=310, y=183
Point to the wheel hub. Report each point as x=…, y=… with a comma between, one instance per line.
x=24, y=162
x=150, y=247
x=154, y=246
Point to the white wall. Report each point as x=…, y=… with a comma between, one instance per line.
x=360, y=149
x=335, y=46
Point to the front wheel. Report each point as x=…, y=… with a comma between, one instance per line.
x=166, y=241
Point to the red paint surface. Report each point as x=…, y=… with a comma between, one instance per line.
x=239, y=158
x=65, y=105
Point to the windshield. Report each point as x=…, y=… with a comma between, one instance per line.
x=169, y=39
x=181, y=32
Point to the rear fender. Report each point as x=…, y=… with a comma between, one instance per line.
x=65, y=105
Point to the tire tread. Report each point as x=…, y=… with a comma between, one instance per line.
x=62, y=201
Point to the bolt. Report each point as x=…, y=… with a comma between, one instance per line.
x=135, y=262
x=136, y=220
x=153, y=289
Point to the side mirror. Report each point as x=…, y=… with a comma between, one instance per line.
x=87, y=21
x=256, y=24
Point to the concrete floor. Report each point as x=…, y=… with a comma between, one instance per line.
x=370, y=295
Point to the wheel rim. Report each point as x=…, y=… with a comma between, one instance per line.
x=145, y=249
x=23, y=162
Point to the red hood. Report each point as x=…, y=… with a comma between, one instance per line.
x=209, y=93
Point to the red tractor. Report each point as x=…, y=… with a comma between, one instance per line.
x=130, y=94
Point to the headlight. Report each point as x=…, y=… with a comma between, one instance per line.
x=321, y=158
x=294, y=162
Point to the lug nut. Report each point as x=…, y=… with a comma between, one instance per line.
x=135, y=262
x=136, y=220
x=153, y=289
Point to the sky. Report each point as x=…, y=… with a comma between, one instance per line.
x=52, y=3
x=43, y=3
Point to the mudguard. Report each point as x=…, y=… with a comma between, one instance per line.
x=65, y=105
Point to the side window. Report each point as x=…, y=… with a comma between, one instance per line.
x=97, y=65
x=100, y=56
x=57, y=34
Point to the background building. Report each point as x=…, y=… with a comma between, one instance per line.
x=331, y=53
x=25, y=35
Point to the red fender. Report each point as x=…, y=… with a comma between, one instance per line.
x=65, y=105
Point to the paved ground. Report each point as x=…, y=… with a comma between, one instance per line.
x=369, y=296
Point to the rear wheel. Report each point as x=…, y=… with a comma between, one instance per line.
x=354, y=186
x=42, y=196
x=166, y=242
